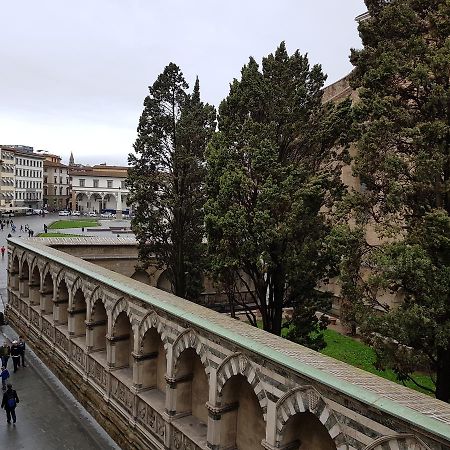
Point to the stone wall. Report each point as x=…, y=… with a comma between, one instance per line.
x=104, y=333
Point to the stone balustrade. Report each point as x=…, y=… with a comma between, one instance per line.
x=160, y=372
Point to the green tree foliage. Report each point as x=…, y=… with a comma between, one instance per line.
x=272, y=173
x=166, y=180
x=403, y=117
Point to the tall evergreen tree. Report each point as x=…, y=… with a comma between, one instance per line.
x=270, y=176
x=402, y=76
x=166, y=180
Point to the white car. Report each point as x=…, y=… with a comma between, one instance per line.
x=108, y=215
x=76, y=213
x=64, y=213
x=91, y=214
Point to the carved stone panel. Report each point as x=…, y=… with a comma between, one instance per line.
x=181, y=442
x=151, y=420
x=61, y=341
x=122, y=394
x=48, y=329
x=97, y=372
x=78, y=356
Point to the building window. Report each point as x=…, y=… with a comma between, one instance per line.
x=109, y=184
x=123, y=184
x=82, y=183
x=96, y=183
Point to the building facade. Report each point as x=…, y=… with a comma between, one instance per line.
x=28, y=178
x=56, y=183
x=7, y=179
x=99, y=188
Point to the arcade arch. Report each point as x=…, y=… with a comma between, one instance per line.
x=61, y=301
x=192, y=385
x=242, y=424
x=123, y=342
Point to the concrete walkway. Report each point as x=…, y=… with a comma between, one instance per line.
x=48, y=416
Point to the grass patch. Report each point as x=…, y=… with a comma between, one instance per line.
x=59, y=235
x=61, y=224
x=358, y=354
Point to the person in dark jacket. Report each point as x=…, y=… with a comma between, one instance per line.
x=4, y=376
x=5, y=352
x=15, y=355
x=9, y=403
x=21, y=345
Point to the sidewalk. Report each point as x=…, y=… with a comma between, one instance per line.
x=48, y=416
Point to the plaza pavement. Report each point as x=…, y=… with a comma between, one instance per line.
x=48, y=416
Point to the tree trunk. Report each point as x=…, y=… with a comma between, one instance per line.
x=443, y=375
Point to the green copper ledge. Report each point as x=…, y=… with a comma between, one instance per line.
x=415, y=418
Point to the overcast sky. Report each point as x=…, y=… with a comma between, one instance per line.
x=74, y=74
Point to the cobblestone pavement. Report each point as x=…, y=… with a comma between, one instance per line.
x=48, y=416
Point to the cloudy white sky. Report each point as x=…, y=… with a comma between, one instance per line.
x=74, y=74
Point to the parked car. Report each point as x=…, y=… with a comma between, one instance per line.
x=64, y=213
x=107, y=215
x=76, y=213
x=91, y=214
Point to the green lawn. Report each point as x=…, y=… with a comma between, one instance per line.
x=361, y=355
x=61, y=224
x=60, y=235
x=358, y=354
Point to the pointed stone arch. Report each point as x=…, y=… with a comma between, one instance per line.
x=189, y=339
x=61, y=275
x=238, y=364
x=14, y=257
x=45, y=271
x=398, y=441
x=307, y=399
x=152, y=320
x=33, y=262
x=78, y=284
x=97, y=294
x=121, y=305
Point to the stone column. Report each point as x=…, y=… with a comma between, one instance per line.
x=110, y=351
x=271, y=427
x=119, y=205
x=46, y=297
x=171, y=393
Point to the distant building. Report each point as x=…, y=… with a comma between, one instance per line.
x=99, y=188
x=56, y=181
x=7, y=179
x=28, y=177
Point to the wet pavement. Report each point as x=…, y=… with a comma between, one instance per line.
x=48, y=416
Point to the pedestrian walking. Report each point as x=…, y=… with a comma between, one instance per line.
x=21, y=345
x=5, y=375
x=2, y=226
x=45, y=228
x=5, y=352
x=2, y=250
x=9, y=403
x=82, y=229
x=7, y=222
x=15, y=355
x=13, y=228
x=21, y=227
